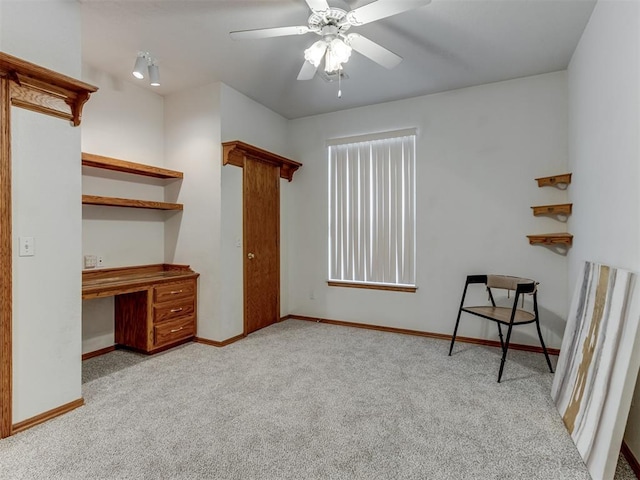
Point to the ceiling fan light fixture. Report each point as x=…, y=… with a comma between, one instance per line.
x=315, y=52
x=338, y=53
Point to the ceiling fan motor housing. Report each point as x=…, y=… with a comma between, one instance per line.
x=330, y=22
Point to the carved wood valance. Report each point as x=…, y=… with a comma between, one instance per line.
x=234, y=153
x=44, y=91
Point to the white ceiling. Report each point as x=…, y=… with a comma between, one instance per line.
x=447, y=44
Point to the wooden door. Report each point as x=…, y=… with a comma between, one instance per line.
x=261, y=224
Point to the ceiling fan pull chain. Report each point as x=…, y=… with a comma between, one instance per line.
x=339, y=82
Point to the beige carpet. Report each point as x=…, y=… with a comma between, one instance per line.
x=301, y=400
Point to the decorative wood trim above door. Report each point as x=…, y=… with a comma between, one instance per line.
x=24, y=85
x=45, y=91
x=235, y=152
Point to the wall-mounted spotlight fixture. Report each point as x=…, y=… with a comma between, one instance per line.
x=145, y=63
x=154, y=75
x=140, y=66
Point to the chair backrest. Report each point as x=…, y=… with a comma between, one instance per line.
x=507, y=282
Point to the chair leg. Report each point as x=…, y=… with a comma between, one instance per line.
x=544, y=348
x=504, y=352
x=500, y=335
x=455, y=331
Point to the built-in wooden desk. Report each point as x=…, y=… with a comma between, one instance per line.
x=155, y=305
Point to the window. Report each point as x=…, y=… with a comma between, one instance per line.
x=372, y=213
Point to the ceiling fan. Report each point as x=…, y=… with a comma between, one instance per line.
x=336, y=44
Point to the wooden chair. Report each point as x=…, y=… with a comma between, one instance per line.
x=508, y=316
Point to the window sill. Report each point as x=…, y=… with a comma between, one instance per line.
x=373, y=286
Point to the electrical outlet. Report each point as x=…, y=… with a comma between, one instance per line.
x=90, y=261
x=100, y=261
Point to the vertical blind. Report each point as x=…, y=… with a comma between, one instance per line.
x=372, y=209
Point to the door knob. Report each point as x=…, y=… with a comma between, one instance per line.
x=251, y=256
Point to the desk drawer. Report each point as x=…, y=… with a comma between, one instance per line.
x=174, y=310
x=173, y=331
x=174, y=291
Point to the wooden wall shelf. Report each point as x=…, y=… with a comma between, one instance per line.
x=564, y=179
x=559, y=209
x=114, y=164
x=234, y=153
x=127, y=202
x=107, y=163
x=551, y=239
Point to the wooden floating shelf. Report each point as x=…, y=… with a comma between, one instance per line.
x=107, y=163
x=559, y=209
x=564, y=179
x=127, y=202
x=551, y=239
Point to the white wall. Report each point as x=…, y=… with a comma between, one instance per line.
x=46, y=206
x=123, y=121
x=208, y=234
x=248, y=121
x=192, y=145
x=479, y=150
x=604, y=145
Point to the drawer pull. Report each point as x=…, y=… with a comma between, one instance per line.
x=177, y=329
x=175, y=292
x=174, y=310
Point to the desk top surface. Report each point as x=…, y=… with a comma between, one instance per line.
x=115, y=281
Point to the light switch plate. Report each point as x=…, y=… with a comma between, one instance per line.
x=27, y=247
x=90, y=261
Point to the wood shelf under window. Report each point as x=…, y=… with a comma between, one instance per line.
x=558, y=209
x=373, y=286
x=128, y=202
x=551, y=239
x=107, y=163
x=556, y=180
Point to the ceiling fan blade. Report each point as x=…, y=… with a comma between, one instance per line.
x=372, y=50
x=382, y=9
x=308, y=71
x=318, y=5
x=269, y=32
